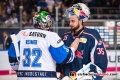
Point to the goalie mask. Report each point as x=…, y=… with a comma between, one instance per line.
x=80, y=10
x=42, y=20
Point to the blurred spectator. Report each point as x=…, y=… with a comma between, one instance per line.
x=14, y=10
x=12, y=4
x=7, y=40
x=63, y=7
x=19, y=3
x=3, y=16
x=42, y=4
x=31, y=6
x=4, y=5
x=8, y=9
x=29, y=23
x=24, y=17
x=50, y=4
x=32, y=13
x=9, y=22
x=60, y=12
x=12, y=20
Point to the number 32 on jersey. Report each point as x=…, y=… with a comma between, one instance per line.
x=34, y=53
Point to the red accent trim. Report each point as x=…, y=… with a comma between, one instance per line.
x=12, y=72
x=7, y=72
x=91, y=35
x=113, y=69
x=4, y=72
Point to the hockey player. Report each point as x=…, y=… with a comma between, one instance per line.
x=91, y=47
x=39, y=50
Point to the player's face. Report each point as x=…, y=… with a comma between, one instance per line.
x=74, y=22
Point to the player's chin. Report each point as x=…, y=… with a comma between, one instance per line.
x=72, y=28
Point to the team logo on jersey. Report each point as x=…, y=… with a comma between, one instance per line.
x=79, y=54
x=24, y=33
x=83, y=40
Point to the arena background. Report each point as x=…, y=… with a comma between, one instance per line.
x=105, y=18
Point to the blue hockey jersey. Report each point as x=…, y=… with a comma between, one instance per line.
x=91, y=49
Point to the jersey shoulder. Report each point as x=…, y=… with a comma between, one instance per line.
x=38, y=30
x=49, y=33
x=54, y=34
x=92, y=32
x=24, y=30
x=67, y=32
x=27, y=32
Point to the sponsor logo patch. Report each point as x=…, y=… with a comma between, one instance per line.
x=83, y=40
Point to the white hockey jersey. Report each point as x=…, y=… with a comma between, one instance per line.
x=39, y=51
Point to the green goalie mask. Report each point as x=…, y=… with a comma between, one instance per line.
x=42, y=20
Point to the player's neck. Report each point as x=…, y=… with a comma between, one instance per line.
x=79, y=29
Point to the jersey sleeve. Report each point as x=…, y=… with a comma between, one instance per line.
x=98, y=53
x=12, y=54
x=59, y=52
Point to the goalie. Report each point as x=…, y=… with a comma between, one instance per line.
x=91, y=47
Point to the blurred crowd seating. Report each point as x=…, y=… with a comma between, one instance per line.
x=10, y=13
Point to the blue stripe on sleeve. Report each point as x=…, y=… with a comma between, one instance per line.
x=72, y=57
x=61, y=54
x=11, y=51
